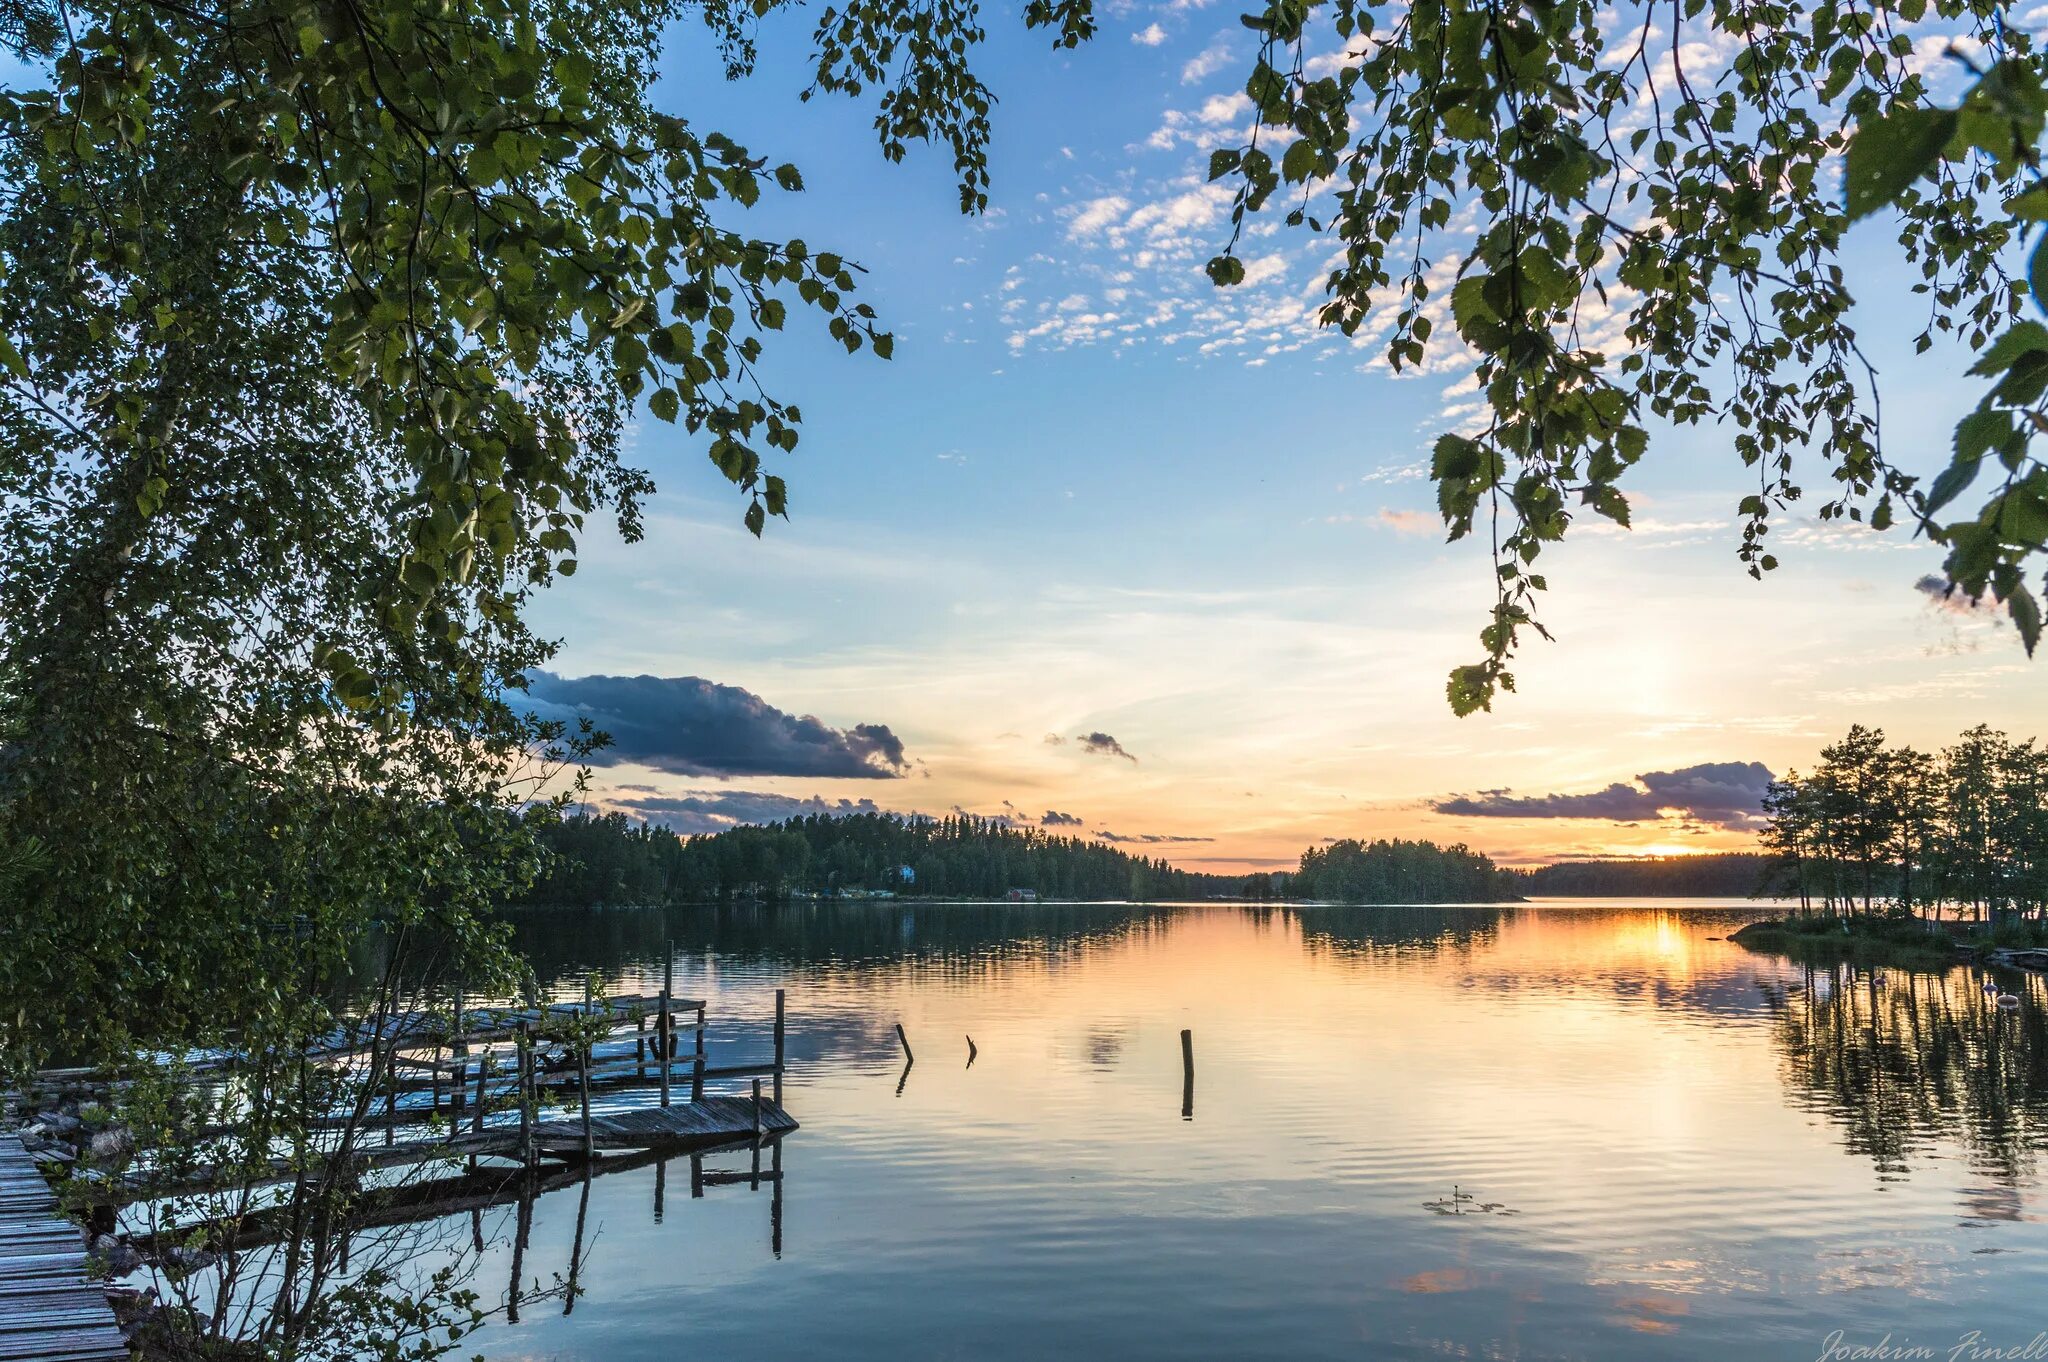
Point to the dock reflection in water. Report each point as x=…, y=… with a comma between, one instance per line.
x=1545, y=1131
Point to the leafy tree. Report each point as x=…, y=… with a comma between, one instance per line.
x=1400, y=871
x=318, y=326
x=1876, y=825
x=1632, y=244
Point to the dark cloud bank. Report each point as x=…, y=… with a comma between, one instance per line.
x=696, y=811
x=694, y=727
x=1726, y=794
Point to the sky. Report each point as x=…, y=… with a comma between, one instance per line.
x=1106, y=550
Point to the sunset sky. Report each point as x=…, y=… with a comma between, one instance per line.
x=1107, y=550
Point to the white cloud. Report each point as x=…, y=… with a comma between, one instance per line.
x=1205, y=63
x=1224, y=108
x=1096, y=214
x=1150, y=36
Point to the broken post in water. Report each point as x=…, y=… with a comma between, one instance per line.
x=1187, y=1075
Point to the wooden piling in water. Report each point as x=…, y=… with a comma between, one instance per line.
x=663, y=1030
x=778, y=1047
x=757, y=1110
x=775, y=1202
x=583, y=1087
x=697, y=1069
x=1187, y=1071
x=904, y=1041
x=971, y=1052
x=526, y=1090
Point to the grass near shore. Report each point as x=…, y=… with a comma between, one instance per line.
x=1899, y=941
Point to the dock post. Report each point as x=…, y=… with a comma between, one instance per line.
x=660, y=1188
x=583, y=1086
x=526, y=1090
x=662, y=1031
x=668, y=966
x=476, y=1120
x=391, y=1092
x=696, y=1177
x=640, y=1046
x=775, y=1201
x=757, y=1111
x=483, y=1066
x=903, y=1040
x=1187, y=1071
x=778, y=1046
x=459, y=1046
x=697, y=1069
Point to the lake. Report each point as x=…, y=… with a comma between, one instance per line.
x=1568, y=1129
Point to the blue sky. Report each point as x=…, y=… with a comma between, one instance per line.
x=1093, y=495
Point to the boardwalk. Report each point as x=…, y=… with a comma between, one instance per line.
x=48, y=1311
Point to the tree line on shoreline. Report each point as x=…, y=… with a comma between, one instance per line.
x=1876, y=828
x=609, y=859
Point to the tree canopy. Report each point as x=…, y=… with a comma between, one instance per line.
x=318, y=325
x=1877, y=827
x=1637, y=235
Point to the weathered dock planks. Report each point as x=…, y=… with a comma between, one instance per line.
x=49, y=1312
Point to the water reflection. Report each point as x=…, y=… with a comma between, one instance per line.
x=1503, y=1131
x=1907, y=1063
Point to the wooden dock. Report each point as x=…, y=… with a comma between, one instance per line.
x=49, y=1312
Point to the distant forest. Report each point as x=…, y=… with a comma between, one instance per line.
x=611, y=859
x=1736, y=874
x=1399, y=872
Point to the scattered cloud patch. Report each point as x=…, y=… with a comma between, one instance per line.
x=1147, y=838
x=1725, y=794
x=1149, y=36
x=1102, y=745
x=1411, y=522
x=1947, y=599
x=690, y=726
x=1055, y=819
x=1207, y=62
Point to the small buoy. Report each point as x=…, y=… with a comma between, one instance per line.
x=2008, y=1002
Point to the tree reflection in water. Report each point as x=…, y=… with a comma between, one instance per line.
x=1903, y=1062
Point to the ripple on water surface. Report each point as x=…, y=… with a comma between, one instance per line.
x=1552, y=1131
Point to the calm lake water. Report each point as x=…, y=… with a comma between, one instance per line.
x=1562, y=1130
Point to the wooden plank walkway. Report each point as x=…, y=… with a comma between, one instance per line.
x=49, y=1312
x=708, y=1120
x=686, y=1125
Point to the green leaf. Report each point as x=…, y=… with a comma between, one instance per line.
x=1982, y=431
x=665, y=404
x=1888, y=153
x=1952, y=482
x=1226, y=270
x=2026, y=617
x=2022, y=338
